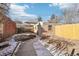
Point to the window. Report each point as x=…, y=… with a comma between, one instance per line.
x=49, y=27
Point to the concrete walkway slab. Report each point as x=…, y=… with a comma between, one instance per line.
x=40, y=49
x=26, y=49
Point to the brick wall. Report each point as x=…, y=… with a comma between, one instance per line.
x=9, y=27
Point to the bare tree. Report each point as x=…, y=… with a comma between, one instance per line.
x=71, y=13
x=55, y=19
x=39, y=18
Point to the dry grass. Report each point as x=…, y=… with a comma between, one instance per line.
x=62, y=43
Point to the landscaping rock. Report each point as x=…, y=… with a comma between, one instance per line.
x=23, y=37
x=7, y=51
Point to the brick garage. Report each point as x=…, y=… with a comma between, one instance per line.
x=9, y=27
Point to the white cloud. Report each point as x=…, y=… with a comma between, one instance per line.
x=50, y=5
x=67, y=5
x=27, y=6
x=17, y=7
x=64, y=5
x=61, y=5
x=20, y=11
x=53, y=4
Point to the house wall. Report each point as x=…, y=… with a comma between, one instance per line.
x=1, y=28
x=9, y=27
x=35, y=28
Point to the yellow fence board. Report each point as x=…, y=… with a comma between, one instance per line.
x=69, y=31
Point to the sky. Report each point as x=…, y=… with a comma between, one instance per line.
x=26, y=11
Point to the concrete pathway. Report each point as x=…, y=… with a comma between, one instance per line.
x=40, y=49
x=32, y=48
x=26, y=49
